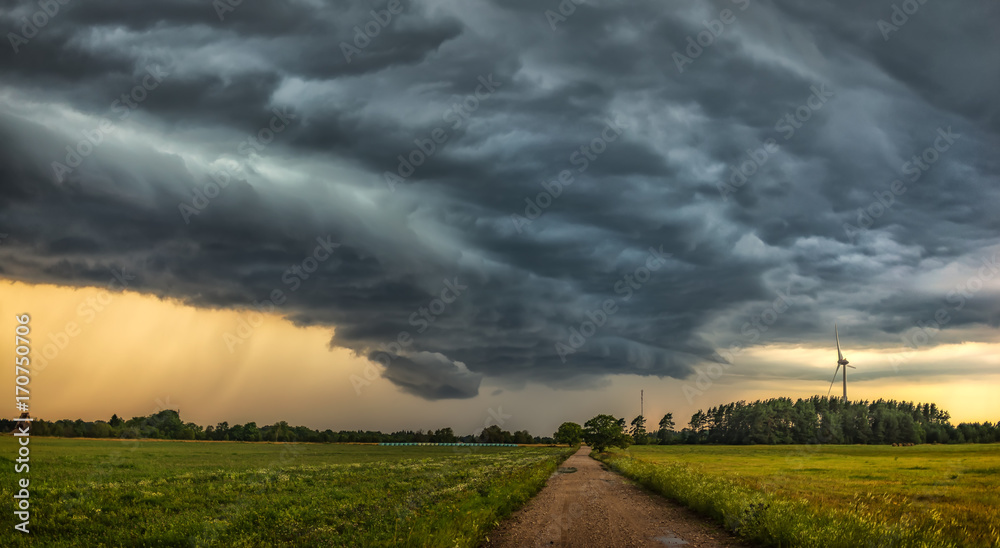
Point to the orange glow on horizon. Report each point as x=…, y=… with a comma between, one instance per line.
x=97, y=353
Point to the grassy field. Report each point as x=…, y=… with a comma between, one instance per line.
x=833, y=495
x=152, y=493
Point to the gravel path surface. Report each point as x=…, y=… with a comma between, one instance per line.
x=593, y=507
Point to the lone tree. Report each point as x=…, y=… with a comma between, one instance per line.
x=569, y=433
x=605, y=431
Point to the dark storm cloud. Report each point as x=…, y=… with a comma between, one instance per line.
x=431, y=376
x=434, y=277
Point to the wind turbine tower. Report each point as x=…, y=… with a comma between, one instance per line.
x=841, y=361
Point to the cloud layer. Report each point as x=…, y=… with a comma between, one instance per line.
x=517, y=193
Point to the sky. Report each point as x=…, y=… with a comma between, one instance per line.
x=391, y=215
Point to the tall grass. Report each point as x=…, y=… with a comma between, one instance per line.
x=771, y=520
x=480, y=509
x=247, y=494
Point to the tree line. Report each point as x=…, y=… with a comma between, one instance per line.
x=818, y=420
x=167, y=425
x=771, y=422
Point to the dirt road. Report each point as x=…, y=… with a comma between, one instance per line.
x=592, y=507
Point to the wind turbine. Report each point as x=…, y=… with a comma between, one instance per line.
x=840, y=361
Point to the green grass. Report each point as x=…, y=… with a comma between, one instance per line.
x=927, y=495
x=116, y=493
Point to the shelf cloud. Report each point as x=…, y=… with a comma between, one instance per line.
x=462, y=192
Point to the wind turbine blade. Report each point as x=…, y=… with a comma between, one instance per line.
x=834, y=379
x=839, y=355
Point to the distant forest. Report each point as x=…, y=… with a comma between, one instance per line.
x=167, y=425
x=768, y=422
x=827, y=420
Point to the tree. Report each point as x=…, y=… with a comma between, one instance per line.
x=191, y=431
x=493, y=434
x=605, y=431
x=569, y=433
x=638, y=430
x=251, y=431
x=444, y=435
x=278, y=431
x=698, y=420
x=522, y=437
x=697, y=424
x=98, y=429
x=666, y=428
